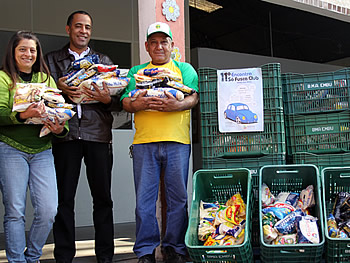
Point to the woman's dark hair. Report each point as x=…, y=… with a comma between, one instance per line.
x=9, y=62
x=70, y=18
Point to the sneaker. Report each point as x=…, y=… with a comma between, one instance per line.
x=150, y=258
x=173, y=257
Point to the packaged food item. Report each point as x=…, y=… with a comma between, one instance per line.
x=115, y=86
x=237, y=200
x=59, y=105
x=288, y=198
x=151, y=72
x=269, y=232
x=345, y=227
x=160, y=73
x=62, y=115
x=267, y=197
x=179, y=86
x=219, y=224
x=227, y=214
x=87, y=74
x=104, y=68
x=109, y=74
x=279, y=210
x=307, y=197
x=211, y=242
x=151, y=84
x=286, y=240
x=307, y=230
x=85, y=62
x=207, y=211
x=286, y=225
x=157, y=92
x=343, y=234
x=227, y=228
x=205, y=229
x=53, y=97
x=26, y=94
x=141, y=78
x=50, y=98
x=333, y=230
x=341, y=199
x=232, y=241
x=73, y=75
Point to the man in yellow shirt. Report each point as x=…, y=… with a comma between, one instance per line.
x=161, y=142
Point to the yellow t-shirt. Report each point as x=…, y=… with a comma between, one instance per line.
x=154, y=126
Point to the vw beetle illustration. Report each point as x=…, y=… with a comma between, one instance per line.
x=240, y=113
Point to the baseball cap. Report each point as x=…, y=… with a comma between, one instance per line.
x=159, y=27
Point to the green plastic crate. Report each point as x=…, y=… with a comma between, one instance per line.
x=335, y=179
x=292, y=178
x=250, y=144
x=316, y=92
x=319, y=133
x=219, y=185
x=252, y=163
x=322, y=160
x=272, y=88
x=243, y=144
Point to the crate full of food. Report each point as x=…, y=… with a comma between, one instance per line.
x=336, y=208
x=291, y=218
x=220, y=218
x=316, y=92
x=319, y=133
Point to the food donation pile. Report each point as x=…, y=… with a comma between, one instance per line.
x=54, y=103
x=338, y=221
x=158, y=80
x=85, y=71
x=287, y=219
x=222, y=224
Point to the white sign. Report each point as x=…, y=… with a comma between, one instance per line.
x=240, y=100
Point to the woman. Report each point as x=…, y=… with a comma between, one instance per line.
x=26, y=160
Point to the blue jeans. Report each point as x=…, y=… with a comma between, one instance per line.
x=18, y=171
x=148, y=161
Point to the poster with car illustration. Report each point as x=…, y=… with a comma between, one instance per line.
x=240, y=100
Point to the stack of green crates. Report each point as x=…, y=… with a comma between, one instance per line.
x=335, y=180
x=219, y=185
x=292, y=178
x=250, y=150
x=317, y=117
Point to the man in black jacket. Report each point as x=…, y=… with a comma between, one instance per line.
x=90, y=137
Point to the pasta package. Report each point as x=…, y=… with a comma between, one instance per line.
x=157, y=92
x=62, y=115
x=54, y=103
x=85, y=62
x=28, y=93
x=115, y=86
x=159, y=73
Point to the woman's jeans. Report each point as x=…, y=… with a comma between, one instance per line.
x=18, y=171
x=148, y=161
